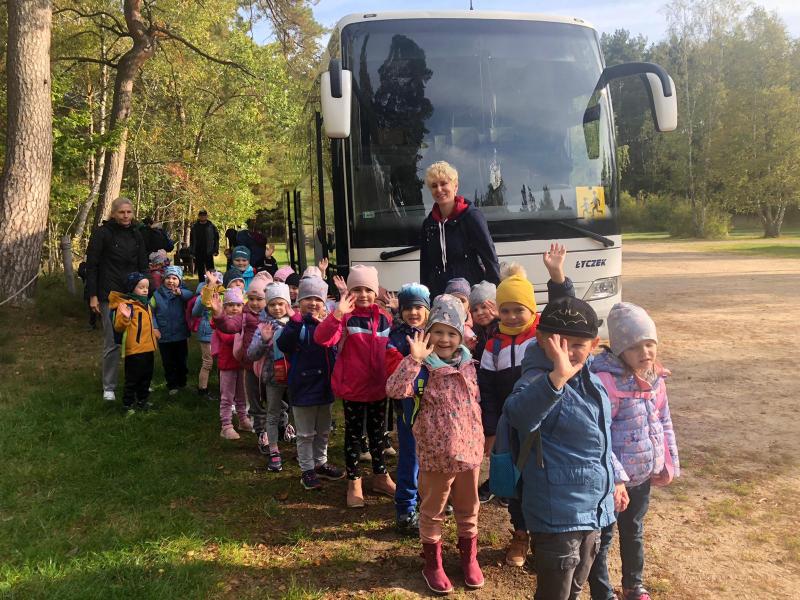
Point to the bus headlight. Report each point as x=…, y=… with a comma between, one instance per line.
x=602, y=288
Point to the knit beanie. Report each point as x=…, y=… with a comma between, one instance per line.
x=516, y=288
x=629, y=324
x=282, y=273
x=159, y=257
x=568, y=316
x=363, y=276
x=276, y=290
x=174, y=270
x=258, y=285
x=458, y=287
x=132, y=280
x=449, y=311
x=241, y=252
x=233, y=296
x=312, y=271
x=230, y=276
x=481, y=292
x=312, y=287
x=414, y=294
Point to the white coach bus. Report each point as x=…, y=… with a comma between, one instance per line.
x=517, y=103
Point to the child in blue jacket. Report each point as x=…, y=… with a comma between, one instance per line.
x=414, y=302
x=568, y=488
x=310, y=393
x=169, y=308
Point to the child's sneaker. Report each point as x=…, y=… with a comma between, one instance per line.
x=245, y=424
x=329, y=472
x=637, y=593
x=310, y=481
x=173, y=392
x=229, y=433
x=288, y=434
x=485, y=493
x=275, y=463
x=263, y=443
x=408, y=525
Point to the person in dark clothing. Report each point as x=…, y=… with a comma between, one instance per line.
x=115, y=249
x=454, y=240
x=92, y=314
x=204, y=244
x=255, y=241
x=154, y=236
x=230, y=243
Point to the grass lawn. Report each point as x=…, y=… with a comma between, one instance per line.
x=94, y=504
x=740, y=241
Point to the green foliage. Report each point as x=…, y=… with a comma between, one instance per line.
x=682, y=222
x=653, y=212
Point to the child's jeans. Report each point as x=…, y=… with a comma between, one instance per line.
x=312, y=426
x=354, y=413
x=268, y=411
x=207, y=363
x=405, y=498
x=173, y=357
x=231, y=393
x=434, y=490
x=630, y=523
x=562, y=562
x=138, y=374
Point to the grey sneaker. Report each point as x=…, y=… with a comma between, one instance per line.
x=109, y=396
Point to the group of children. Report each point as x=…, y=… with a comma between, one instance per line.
x=474, y=372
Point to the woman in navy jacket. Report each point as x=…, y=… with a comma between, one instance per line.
x=455, y=240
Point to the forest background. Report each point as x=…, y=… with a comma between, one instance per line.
x=175, y=105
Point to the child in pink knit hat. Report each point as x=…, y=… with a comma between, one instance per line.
x=231, y=375
x=359, y=376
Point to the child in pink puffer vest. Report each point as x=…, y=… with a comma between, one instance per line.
x=449, y=437
x=642, y=439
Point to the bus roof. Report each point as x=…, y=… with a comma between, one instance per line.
x=457, y=14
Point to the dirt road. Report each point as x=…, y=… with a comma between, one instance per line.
x=728, y=326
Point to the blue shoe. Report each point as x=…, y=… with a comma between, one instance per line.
x=310, y=481
x=329, y=472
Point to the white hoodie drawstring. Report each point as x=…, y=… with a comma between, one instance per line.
x=443, y=245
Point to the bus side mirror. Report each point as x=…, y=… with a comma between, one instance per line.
x=336, y=87
x=663, y=106
x=660, y=90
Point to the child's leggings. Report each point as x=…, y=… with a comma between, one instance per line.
x=206, y=364
x=354, y=413
x=268, y=411
x=231, y=393
x=434, y=489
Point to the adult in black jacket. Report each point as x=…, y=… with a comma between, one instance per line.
x=115, y=249
x=203, y=244
x=455, y=240
x=155, y=238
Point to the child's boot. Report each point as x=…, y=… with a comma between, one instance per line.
x=355, y=496
x=383, y=484
x=229, y=433
x=245, y=424
x=517, y=552
x=468, y=548
x=433, y=572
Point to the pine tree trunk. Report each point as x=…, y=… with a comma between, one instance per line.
x=144, y=46
x=25, y=186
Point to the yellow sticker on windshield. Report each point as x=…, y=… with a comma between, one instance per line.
x=590, y=202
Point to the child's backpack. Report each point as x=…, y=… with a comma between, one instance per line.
x=420, y=381
x=508, y=458
x=192, y=322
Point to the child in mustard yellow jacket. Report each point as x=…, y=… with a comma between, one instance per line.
x=133, y=319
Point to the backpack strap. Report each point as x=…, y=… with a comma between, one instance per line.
x=420, y=381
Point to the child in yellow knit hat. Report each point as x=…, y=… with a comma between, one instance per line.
x=501, y=364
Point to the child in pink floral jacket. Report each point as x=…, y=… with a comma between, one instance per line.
x=449, y=437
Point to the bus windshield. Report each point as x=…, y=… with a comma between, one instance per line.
x=510, y=104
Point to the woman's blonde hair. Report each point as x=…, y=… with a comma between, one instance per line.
x=439, y=170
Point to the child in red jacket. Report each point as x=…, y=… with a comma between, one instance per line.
x=359, y=376
x=231, y=375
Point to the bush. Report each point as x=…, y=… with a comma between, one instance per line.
x=653, y=212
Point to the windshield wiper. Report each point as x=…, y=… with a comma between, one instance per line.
x=508, y=237
x=400, y=252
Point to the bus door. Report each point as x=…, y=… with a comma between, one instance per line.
x=330, y=214
x=295, y=238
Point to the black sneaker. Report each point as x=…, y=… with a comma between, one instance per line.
x=485, y=493
x=408, y=525
x=275, y=464
x=329, y=472
x=502, y=502
x=448, y=509
x=310, y=481
x=263, y=443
